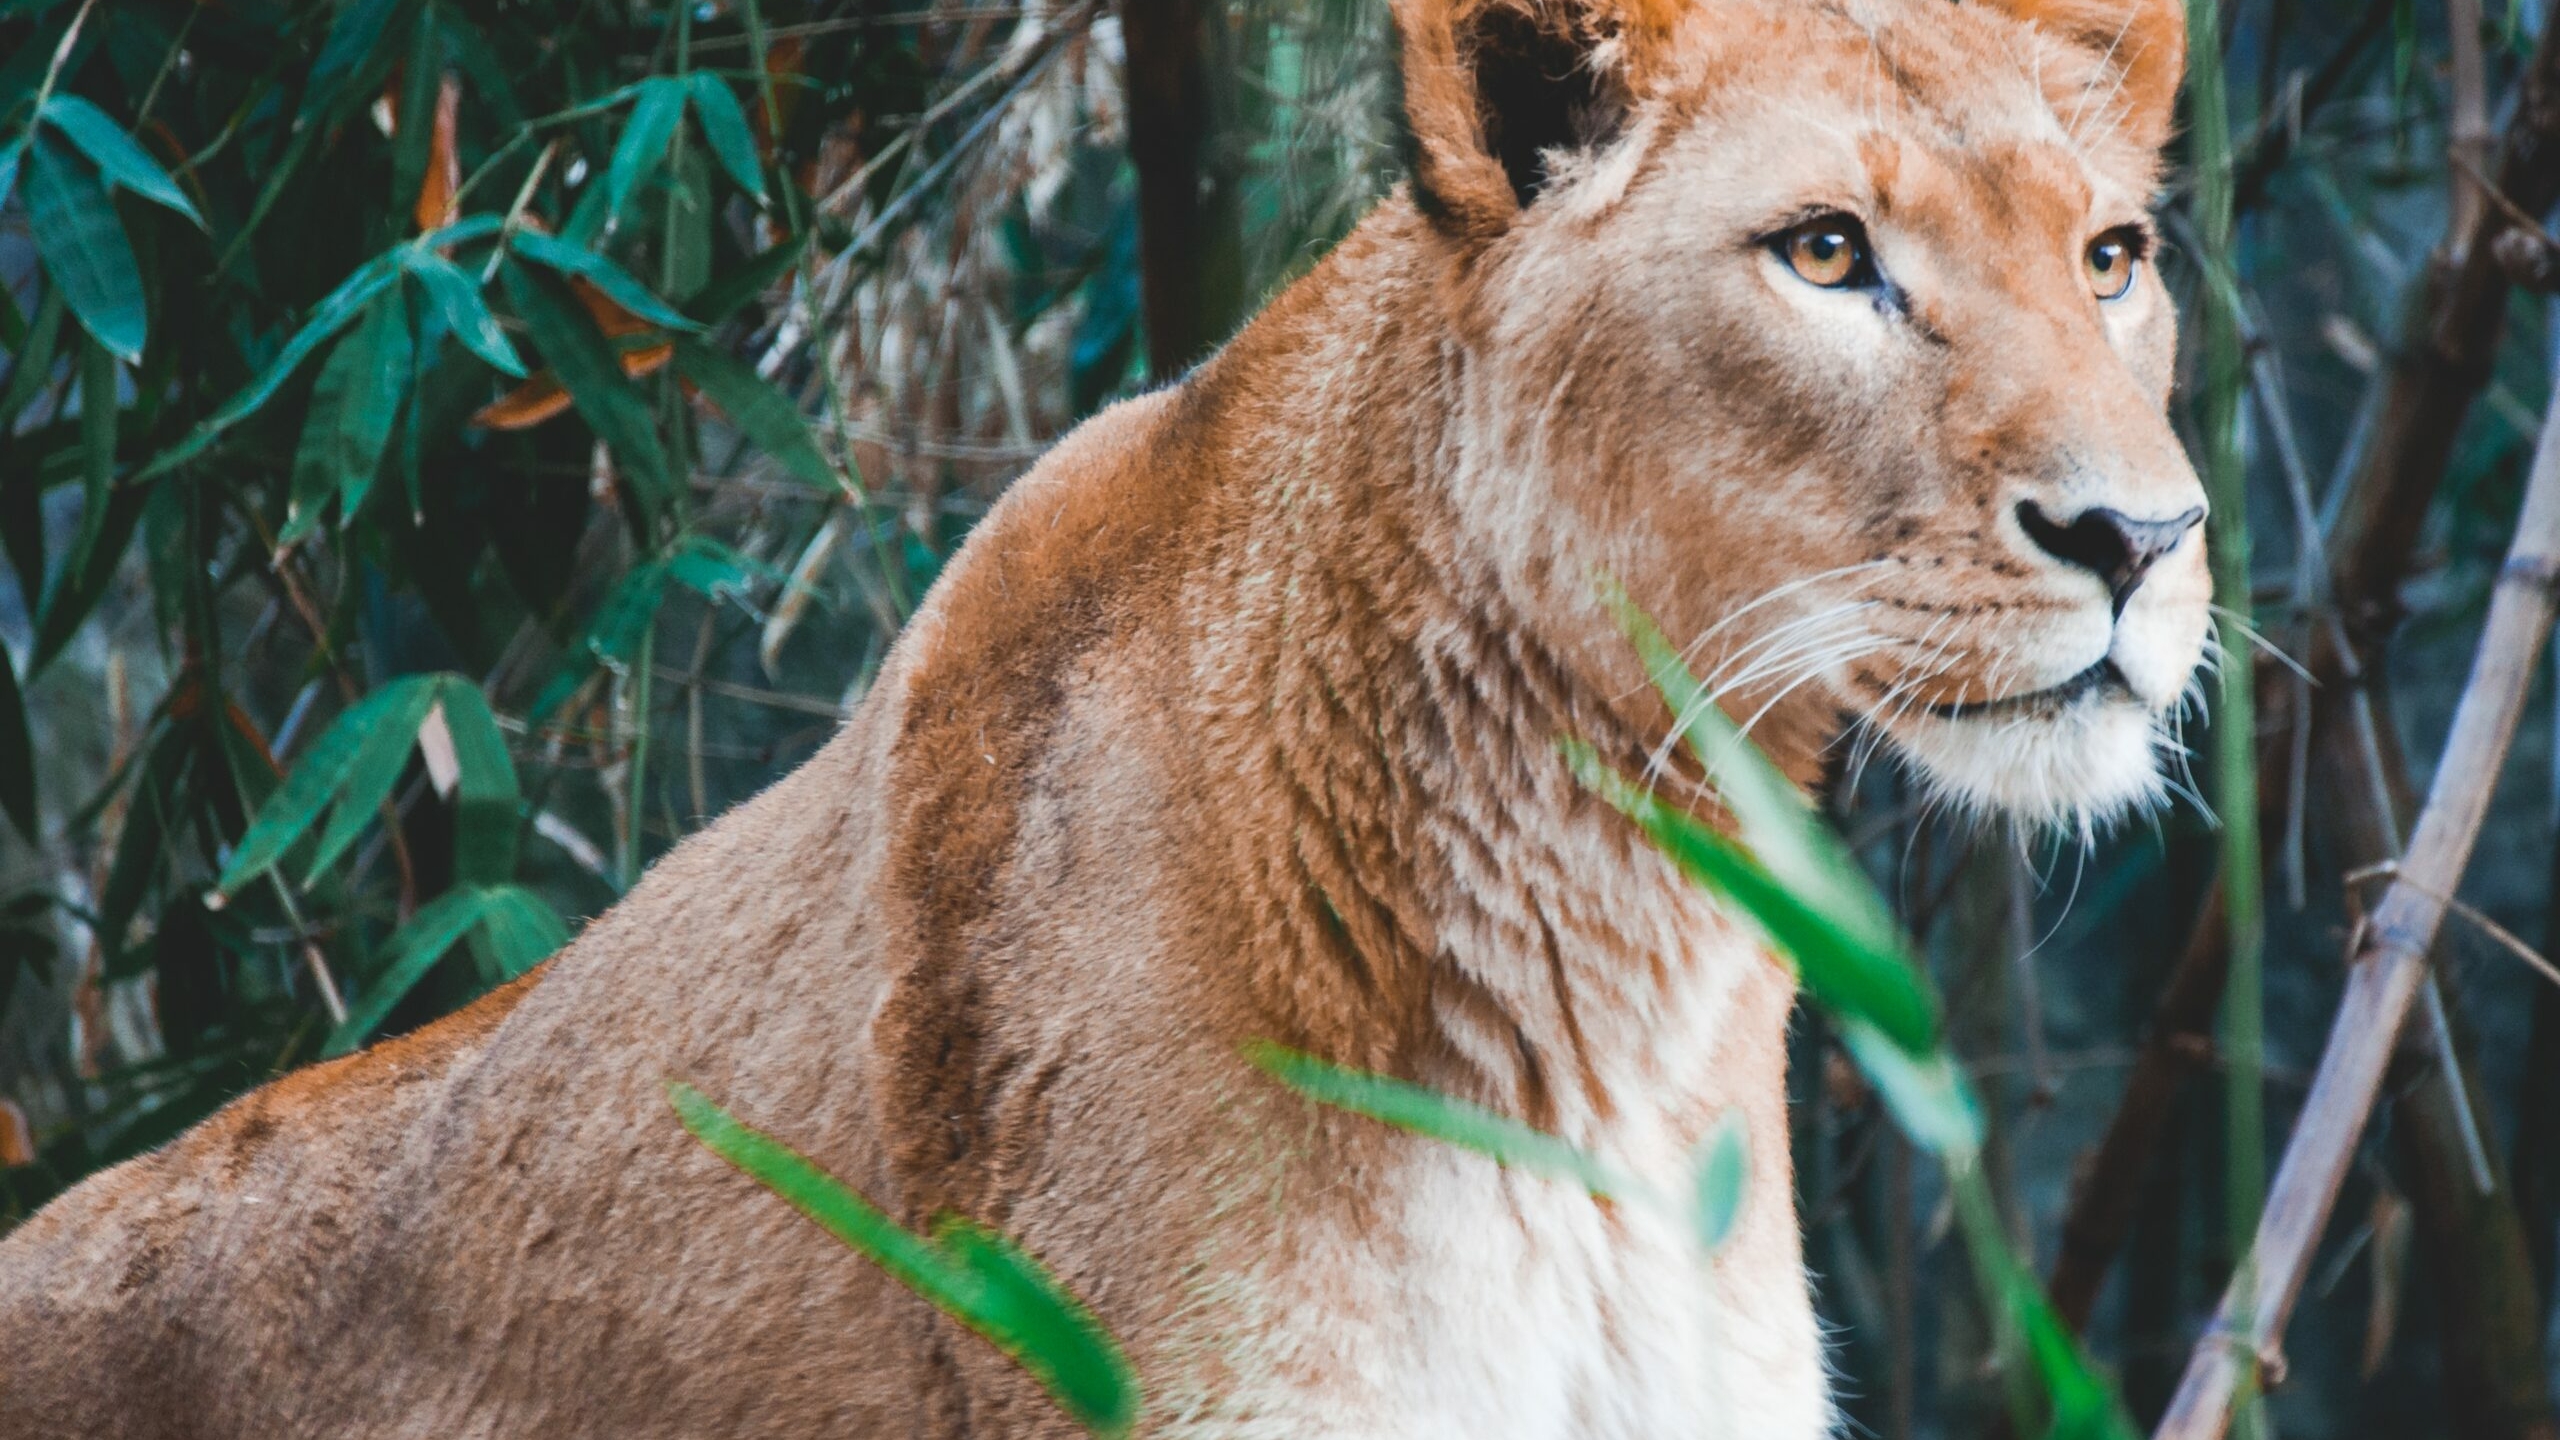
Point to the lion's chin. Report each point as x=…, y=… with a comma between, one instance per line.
x=2079, y=767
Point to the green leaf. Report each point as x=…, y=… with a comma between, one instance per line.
x=713, y=570
x=120, y=161
x=1723, y=1176
x=353, y=47
x=376, y=769
x=12, y=156
x=644, y=140
x=614, y=634
x=353, y=409
x=1428, y=1112
x=17, y=754
x=84, y=248
x=1846, y=973
x=307, y=788
x=520, y=931
x=488, y=803
x=2084, y=1406
x=592, y=372
x=1927, y=1093
x=968, y=1272
x=724, y=125
x=328, y=318
x=596, y=270
x=730, y=293
x=457, y=298
x=762, y=413
x=412, y=951
x=83, y=579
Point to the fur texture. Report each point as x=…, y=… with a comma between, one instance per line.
x=1237, y=719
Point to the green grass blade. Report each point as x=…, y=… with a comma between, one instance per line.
x=977, y=1279
x=119, y=160
x=412, y=951
x=83, y=245
x=1428, y=1112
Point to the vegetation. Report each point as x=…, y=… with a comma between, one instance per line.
x=453, y=449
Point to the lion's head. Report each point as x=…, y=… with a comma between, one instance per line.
x=1831, y=327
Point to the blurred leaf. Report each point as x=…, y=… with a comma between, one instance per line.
x=2084, y=1406
x=355, y=45
x=713, y=570
x=967, y=1271
x=1846, y=974
x=119, y=160
x=1428, y=1112
x=457, y=298
x=83, y=579
x=760, y=412
x=376, y=769
x=595, y=269
x=592, y=371
x=84, y=248
x=443, y=178
x=643, y=145
x=724, y=125
x=1723, y=1176
x=1927, y=1093
x=12, y=156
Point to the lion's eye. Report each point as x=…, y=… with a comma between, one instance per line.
x=2111, y=261
x=1829, y=251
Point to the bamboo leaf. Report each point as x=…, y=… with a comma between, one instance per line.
x=488, y=804
x=762, y=413
x=1926, y=1092
x=969, y=1273
x=119, y=160
x=616, y=282
x=290, y=812
x=84, y=248
x=645, y=135
x=519, y=929
x=353, y=47
x=457, y=299
x=724, y=125
x=1847, y=973
x=376, y=769
x=1428, y=1112
x=17, y=755
x=327, y=319
x=588, y=365
x=412, y=951
x=12, y=156
x=354, y=406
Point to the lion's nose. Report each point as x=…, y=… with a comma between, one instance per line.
x=2108, y=543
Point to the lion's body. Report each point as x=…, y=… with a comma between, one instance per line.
x=1236, y=720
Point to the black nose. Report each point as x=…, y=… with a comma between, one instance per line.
x=2109, y=544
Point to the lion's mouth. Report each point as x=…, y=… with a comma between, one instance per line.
x=2100, y=675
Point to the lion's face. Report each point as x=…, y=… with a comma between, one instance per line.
x=1844, y=349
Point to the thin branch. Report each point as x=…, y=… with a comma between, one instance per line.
x=2389, y=964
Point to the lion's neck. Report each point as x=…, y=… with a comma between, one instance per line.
x=1460, y=912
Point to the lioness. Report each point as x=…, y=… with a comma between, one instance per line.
x=1825, y=326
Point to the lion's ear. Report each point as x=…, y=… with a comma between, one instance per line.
x=1492, y=86
x=2141, y=43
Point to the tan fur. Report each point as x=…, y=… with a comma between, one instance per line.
x=1237, y=720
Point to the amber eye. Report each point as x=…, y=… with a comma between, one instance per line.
x=1829, y=251
x=2111, y=261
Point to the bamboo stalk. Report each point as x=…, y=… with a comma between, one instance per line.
x=2390, y=960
